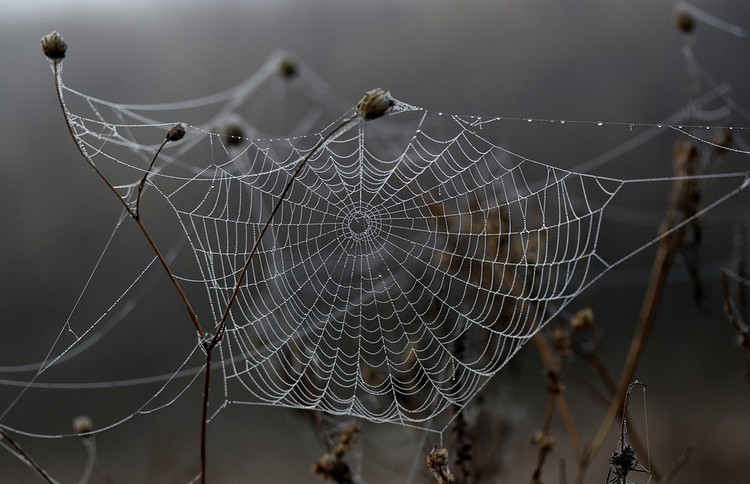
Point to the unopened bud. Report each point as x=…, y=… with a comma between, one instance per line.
x=176, y=132
x=54, y=46
x=375, y=104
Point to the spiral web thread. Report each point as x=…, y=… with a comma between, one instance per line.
x=411, y=259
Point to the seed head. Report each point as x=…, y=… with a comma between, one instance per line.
x=54, y=46
x=288, y=68
x=684, y=20
x=583, y=319
x=375, y=104
x=176, y=132
x=233, y=133
x=82, y=425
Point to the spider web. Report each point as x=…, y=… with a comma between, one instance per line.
x=412, y=257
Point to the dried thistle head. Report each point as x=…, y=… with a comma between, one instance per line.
x=176, y=132
x=82, y=425
x=374, y=104
x=623, y=461
x=684, y=20
x=54, y=46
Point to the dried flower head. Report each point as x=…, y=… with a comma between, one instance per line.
x=437, y=462
x=82, y=425
x=176, y=132
x=684, y=20
x=375, y=104
x=54, y=46
x=583, y=319
x=623, y=461
x=288, y=68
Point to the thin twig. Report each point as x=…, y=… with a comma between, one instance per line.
x=680, y=463
x=221, y=324
x=204, y=413
x=143, y=180
x=679, y=208
x=211, y=343
x=26, y=457
x=733, y=313
x=559, y=395
x=131, y=212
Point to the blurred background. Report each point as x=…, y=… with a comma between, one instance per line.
x=618, y=61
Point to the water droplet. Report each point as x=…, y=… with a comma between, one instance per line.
x=599, y=123
x=658, y=125
x=731, y=127
x=680, y=126
x=562, y=121
x=529, y=120
x=631, y=127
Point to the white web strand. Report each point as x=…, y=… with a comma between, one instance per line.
x=411, y=259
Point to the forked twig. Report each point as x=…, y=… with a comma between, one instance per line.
x=26, y=457
x=374, y=104
x=57, y=68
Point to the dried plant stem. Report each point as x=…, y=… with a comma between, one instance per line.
x=204, y=414
x=209, y=342
x=145, y=176
x=347, y=123
x=213, y=341
x=732, y=312
x=544, y=440
x=681, y=461
x=559, y=396
x=26, y=457
x=680, y=208
x=133, y=214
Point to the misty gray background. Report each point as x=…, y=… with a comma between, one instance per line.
x=584, y=60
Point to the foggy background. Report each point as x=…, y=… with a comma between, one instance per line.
x=577, y=60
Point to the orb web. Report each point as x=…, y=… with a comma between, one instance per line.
x=412, y=257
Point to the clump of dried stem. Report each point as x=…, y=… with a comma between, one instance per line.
x=331, y=465
x=438, y=464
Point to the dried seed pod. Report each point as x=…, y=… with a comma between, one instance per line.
x=176, y=132
x=288, y=68
x=54, y=46
x=375, y=104
x=684, y=20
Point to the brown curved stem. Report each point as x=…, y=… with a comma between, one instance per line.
x=133, y=213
